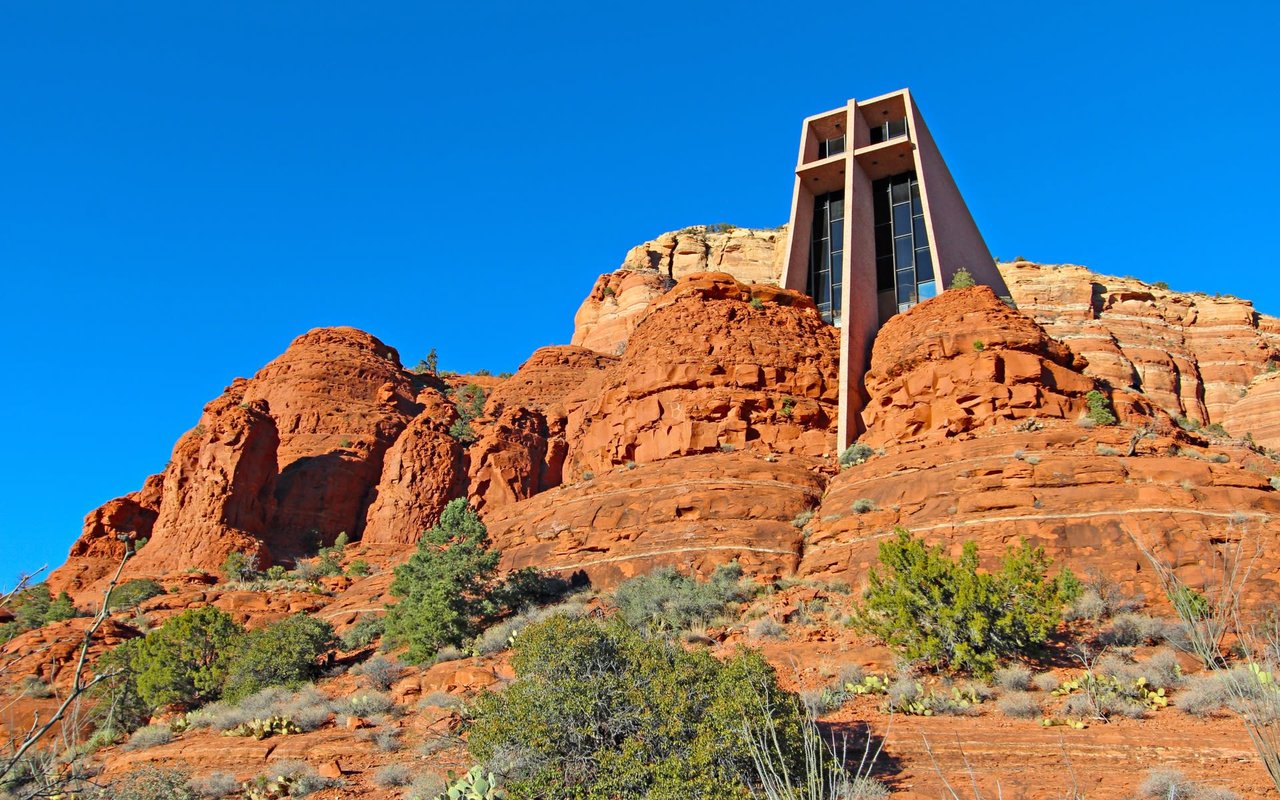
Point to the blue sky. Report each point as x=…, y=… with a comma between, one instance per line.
x=185, y=187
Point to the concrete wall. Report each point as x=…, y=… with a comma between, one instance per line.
x=954, y=238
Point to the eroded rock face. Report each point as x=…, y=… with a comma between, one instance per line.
x=693, y=513
x=98, y=551
x=714, y=364
x=965, y=360
x=339, y=398
x=614, y=307
x=1257, y=412
x=218, y=491
x=750, y=255
x=1191, y=354
x=421, y=473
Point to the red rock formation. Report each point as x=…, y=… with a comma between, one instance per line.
x=695, y=513
x=1191, y=354
x=1257, y=413
x=339, y=398
x=614, y=307
x=421, y=472
x=97, y=552
x=957, y=465
x=708, y=368
x=521, y=451
x=218, y=495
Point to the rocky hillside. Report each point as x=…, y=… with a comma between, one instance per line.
x=691, y=424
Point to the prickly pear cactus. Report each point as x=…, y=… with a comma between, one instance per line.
x=475, y=785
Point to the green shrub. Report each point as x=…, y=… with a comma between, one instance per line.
x=364, y=631
x=184, y=661
x=284, y=653
x=359, y=568
x=148, y=782
x=131, y=594
x=664, y=600
x=1216, y=429
x=1099, y=408
x=600, y=711
x=34, y=607
x=443, y=588
x=962, y=279
x=948, y=614
x=756, y=303
x=239, y=568
x=855, y=454
x=864, y=505
x=469, y=402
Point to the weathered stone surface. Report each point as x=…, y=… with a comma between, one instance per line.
x=694, y=513
x=218, y=491
x=421, y=472
x=614, y=307
x=339, y=398
x=1257, y=413
x=100, y=547
x=715, y=363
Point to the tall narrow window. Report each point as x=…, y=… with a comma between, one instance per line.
x=831, y=147
x=826, y=255
x=904, y=265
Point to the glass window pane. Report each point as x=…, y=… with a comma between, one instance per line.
x=837, y=232
x=884, y=240
x=897, y=127
x=884, y=272
x=915, y=189
x=924, y=266
x=916, y=207
x=927, y=289
x=900, y=192
x=922, y=237
x=901, y=220
x=902, y=252
x=837, y=207
x=837, y=266
x=906, y=293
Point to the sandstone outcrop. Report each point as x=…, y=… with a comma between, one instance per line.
x=750, y=255
x=219, y=490
x=714, y=364
x=521, y=451
x=985, y=444
x=339, y=398
x=1258, y=411
x=101, y=545
x=1191, y=354
x=694, y=513
x=613, y=308
x=421, y=473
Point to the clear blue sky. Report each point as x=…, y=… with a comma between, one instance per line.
x=185, y=187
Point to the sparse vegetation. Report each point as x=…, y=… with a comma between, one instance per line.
x=469, y=402
x=864, y=505
x=131, y=594
x=855, y=454
x=1164, y=783
x=665, y=600
x=949, y=614
x=599, y=710
x=1099, y=408
x=284, y=653
x=239, y=568
x=962, y=279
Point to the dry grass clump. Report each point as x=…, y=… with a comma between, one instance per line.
x=1164, y=783
x=150, y=736
x=308, y=708
x=392, y=775
x=380, y=672
x=215, y=785
x=1019, y=705
x=1013, y=678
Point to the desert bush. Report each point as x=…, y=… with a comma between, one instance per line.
x=962, y=279
x=392, y=775
x=1013, y=678
x=35, y=686
x=366, y=704
x=1019, y=705
x=497, y=638
x=855, y=454
x=864, y=505
x=1164, y=783
x=469, y=402
x=1239, y=689
x=802, y=519
x=444, y=588
x=307, y=709
x=284, y=653
x=440, y=699
x=1131, y=630
x=34, y=607
x=239, y=568
x=599, y=710
x=948, y=614
x=426, y=786
x=184, y=661
x=381, y=672
x=766, y=628
x=1099, y=408
x=215, y=785
x=448, y=653
x=1046, y=682
x=131, y=594
x=1160, y=670
x=387, y=739
x=665, y=600
x=295, y=778
x=149, y=736
x=149, y=782
x=367, y=628
x=359, y=568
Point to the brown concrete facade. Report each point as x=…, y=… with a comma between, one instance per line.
x=870, y=151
